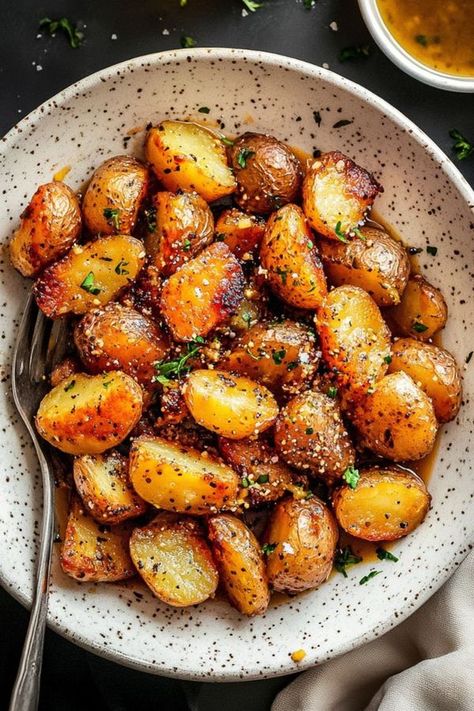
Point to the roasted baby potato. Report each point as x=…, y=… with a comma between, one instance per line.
x=186, y=156
x=434, y=370
x=49, y=227
x=337, y=194
x=87, y=414
x=68, y=366
x=242, y=233
x=183, y=226
x=92, y=552
x=181, y=479
x=422, y=311
x=240, y=563
x=386, y=504
x=230, y=405
x=310, y=435
x=89, y=275
x=268, y=173
x=302, y=536
x=202, y=293
x=247, y=314
x=291, y=259
x=103, y=483
x=373, y=260
x=174, y=560
x=397, y=419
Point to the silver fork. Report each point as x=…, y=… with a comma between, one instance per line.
x=39, y=346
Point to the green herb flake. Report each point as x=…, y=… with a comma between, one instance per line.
x=150, y=219
x=263, y=479
x=90, y=286
x=344, y=557
x=309, y=431
x=69, y=386
x=339, y=233
x=356, y=231
x=332, y=391
x=462, y=147
x=432, y=250
x=251, y=5
x=187, y=245
x=422, y=39
x=419, y=327
x=106, y=384
x=351, y=476
x=245, y=482
x=310, y=245
x=387, y=359
x=292, y=365
x=243, y=155
x=309, y=4
x=227, y=141
x=382, y=554
x=120, y=268
x=174, y=369
x=268, y=548
x=204, y=110
x=360, y=51
x=368, y=577
x=309, y=495
x=187, y=42
x=278, y=356
x=220, y=237
x=74, y=36
x=283, y=274
x=247, y=318
x=112, y=215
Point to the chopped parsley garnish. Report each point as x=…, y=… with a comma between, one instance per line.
x=220, y=237
x=309, y=4
x=387, y=359
x=309, y=495
x=358, y=233
x=187, y=245
x=368, y=577
x=351, y=476
x=74, y=36
x=251, y=5
x=106, y=384
x=204, y=110
x=359, y=51
x=150, y=217
x=309, y=431
x=432, y=250
x=245, y=482
x=292, y=365
x=69, y=386
x=278, y=356
x=341, y=123
x=419, y=327
x=310, y=245
x=262, y=479
x=382, y=554
x=112, y=215
x=339, y=233
x=283, y=274
x=462, y=147
x=421, y=39
x=173, y=369
x=247, y=318
x=469, y=356
x=90, y=286
x=243, y=155
x=345, y=557
x=332, y=391
x=187, y=41
x=227, y=141
x=120, y=268
x=268, y=548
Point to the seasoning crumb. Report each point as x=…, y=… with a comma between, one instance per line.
x=333, y=26
x=113, y=36
x=298, y=655
x=325, y=65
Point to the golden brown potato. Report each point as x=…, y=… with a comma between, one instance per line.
x=397, y=419
x=180, y=479
x=49, y=227
x=89, y=275
x=63, y=370
x=337, y=194
x=186, y=156
x=92, y=552
x=242, y=233
x=87, y=414
x=291, y=259
x=268, y=173
x=230, y=405
x=302, y=536
x=240, y=563
x=202, y=293
x=355, y=341
x=103, y=483
x=373, y=260
x=310, y=435
x=174, y=560
x=184, y=225
x=422, y=311
x=386, y=504
x=114, y=196
x=434, y=370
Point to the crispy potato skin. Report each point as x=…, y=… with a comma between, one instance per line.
x=305, y=534
x=173, y=558
x=397, y=419
x=310, y=435
x=242, y=233
x=202, y=293
x=89, y=276
x=63, y=370
x=145, y=293
x=288, y=253
x=386, y=504
x=271, y=176
x=376, y=262
x=186, y=156
x=88, y=414
x=184, y=226
x=434, y=370
x=49, y=227
x=119, y=184
x=230, y=405
x=422, y=311
x=240, y=563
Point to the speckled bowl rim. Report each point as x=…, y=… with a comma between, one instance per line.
x=418, y=597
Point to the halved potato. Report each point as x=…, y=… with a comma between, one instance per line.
x=186, y=156
x=422, y=311
x=87, y=414
x=174, y=560
x=242, y=233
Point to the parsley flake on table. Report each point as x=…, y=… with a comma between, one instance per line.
x=462, y=147
x=90, y=286
x=112, y=215
x=74, y=36
x=359, y=51
x=382, y=554
x=251, y=5
x=369, y=576
x=187, y=41
x=351, y=476
x=344, y=557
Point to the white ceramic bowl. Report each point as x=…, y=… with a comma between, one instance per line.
x=403, y=59
x=425, y=198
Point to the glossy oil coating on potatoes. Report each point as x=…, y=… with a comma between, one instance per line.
x=49, y=227
x=181, y=479
x=372, y=260
x=291, y=259
x=397, y=419
x=202, y=293
x=87, y=414
x=240, y=563
x=434, y=370
x=268, y=173
x=230, y=405
x=242, y=233
x=183, y=226
x=337, y=194
x=422, y=311
x=89, y=275
x=304, y=535
x=174, y=559
x=386, y=504
x=186, y=156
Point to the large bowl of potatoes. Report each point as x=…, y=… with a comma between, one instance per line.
x=260, y=419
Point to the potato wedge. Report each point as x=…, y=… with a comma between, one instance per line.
x=301, y=537
x=49, y=227
x=422, y=311
x=186, y=156
x=87, y=414
x=242, y=233
x=181, y=479
x=386, y=504
x=173, y=558
x=240, y=563
x=89, y=275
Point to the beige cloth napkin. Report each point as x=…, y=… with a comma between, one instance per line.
x=424, y=664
